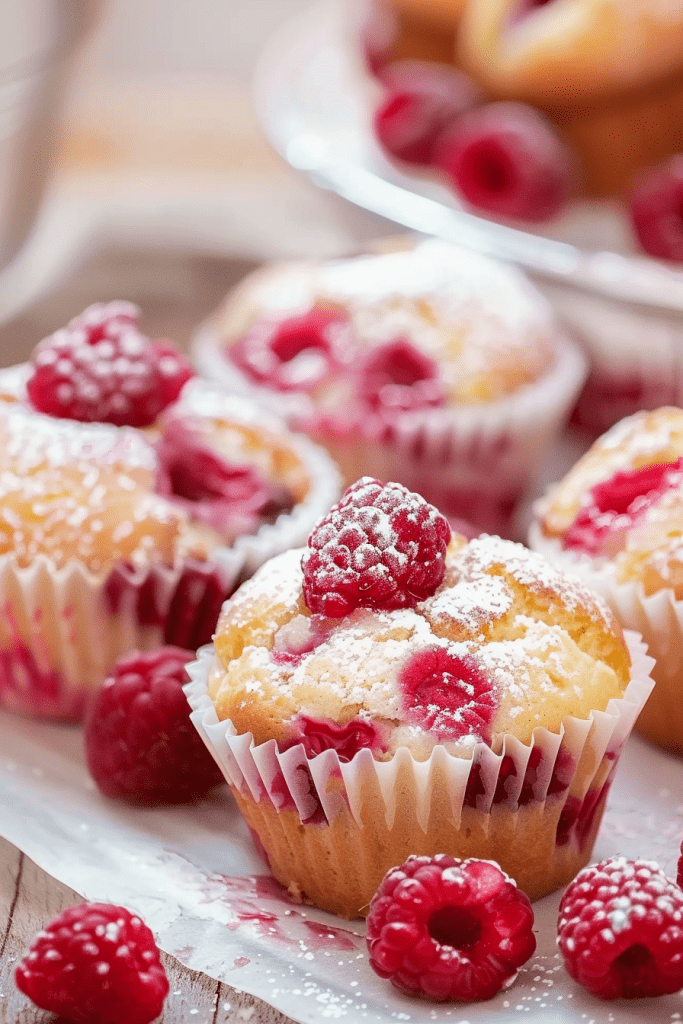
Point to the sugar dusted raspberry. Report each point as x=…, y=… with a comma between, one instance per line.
x=505, y=158
x=679, y=869
x=140, y=743
x=447, y=695
x=95, y=964
x=381, y=546
x=656, y=205
x=621, y=930
x=614, y=505
x=423, y=99
x=398, y=377
x=294, y=353
x=449, y=929
x=100, y=368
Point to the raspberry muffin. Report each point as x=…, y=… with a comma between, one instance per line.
x=617, y=519
x=399, y=691
x=620, y=114
x=428, y=364
x=133, y=500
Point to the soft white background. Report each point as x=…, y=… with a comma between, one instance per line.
x=144, y=38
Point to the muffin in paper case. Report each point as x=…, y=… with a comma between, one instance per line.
x=432, y=366
x=659, y=619
x=97, y=562
x=616, y=520
x=331, y=830
x=486, y=762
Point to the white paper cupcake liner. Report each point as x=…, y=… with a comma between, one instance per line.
x=480, y=795
x=475, y=459
x=626, y=375
x=658, y=617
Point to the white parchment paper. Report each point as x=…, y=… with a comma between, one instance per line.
x=193, y=875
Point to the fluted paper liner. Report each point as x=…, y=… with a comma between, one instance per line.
x=489, y=450
x=658, y=618
x=281, y=792
x=61, y=630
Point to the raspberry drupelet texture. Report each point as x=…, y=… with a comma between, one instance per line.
x=381, y=546
x=95, y=964
x=449, y=929
x=100, y=368
x=140, y=743
x=621, y=930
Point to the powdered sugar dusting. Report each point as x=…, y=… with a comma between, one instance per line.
x=355, y=665
x=486, y=326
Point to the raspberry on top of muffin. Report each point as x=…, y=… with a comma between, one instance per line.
x=345, y=649
x=78, y=480
x=622, y=503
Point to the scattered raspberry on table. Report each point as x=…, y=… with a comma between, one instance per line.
x=621, y=930
x=449, y=929
x=95, y=964
x=140, y=743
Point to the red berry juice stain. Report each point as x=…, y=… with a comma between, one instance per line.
x=323, y=936
x=242, y=961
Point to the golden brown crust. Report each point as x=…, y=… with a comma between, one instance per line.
x=313, y=861
x=88, y=491
x=486, y=327
x=547, y=645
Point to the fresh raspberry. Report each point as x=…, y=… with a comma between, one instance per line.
x=423, y=99
x=381, y=546
x=397, y=377
x=295, y=353
x=505, y=158
x=448, y=696
x=656, y=205
x=100, y=368
x=614, y=505
x=679, y=869
x=621, y=930
x=445, y=928
x=140, y=743
x=95, y=964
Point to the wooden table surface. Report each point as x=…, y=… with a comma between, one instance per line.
x=201, y=129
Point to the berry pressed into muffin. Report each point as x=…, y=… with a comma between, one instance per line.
x=396, y=692
x=617, y=519
x=133, y=499
x=424, y=363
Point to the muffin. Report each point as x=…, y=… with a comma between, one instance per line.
x=607, y=73
x=617, y=519
x=428, y=364
x=117, y=537
x=394, y=692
